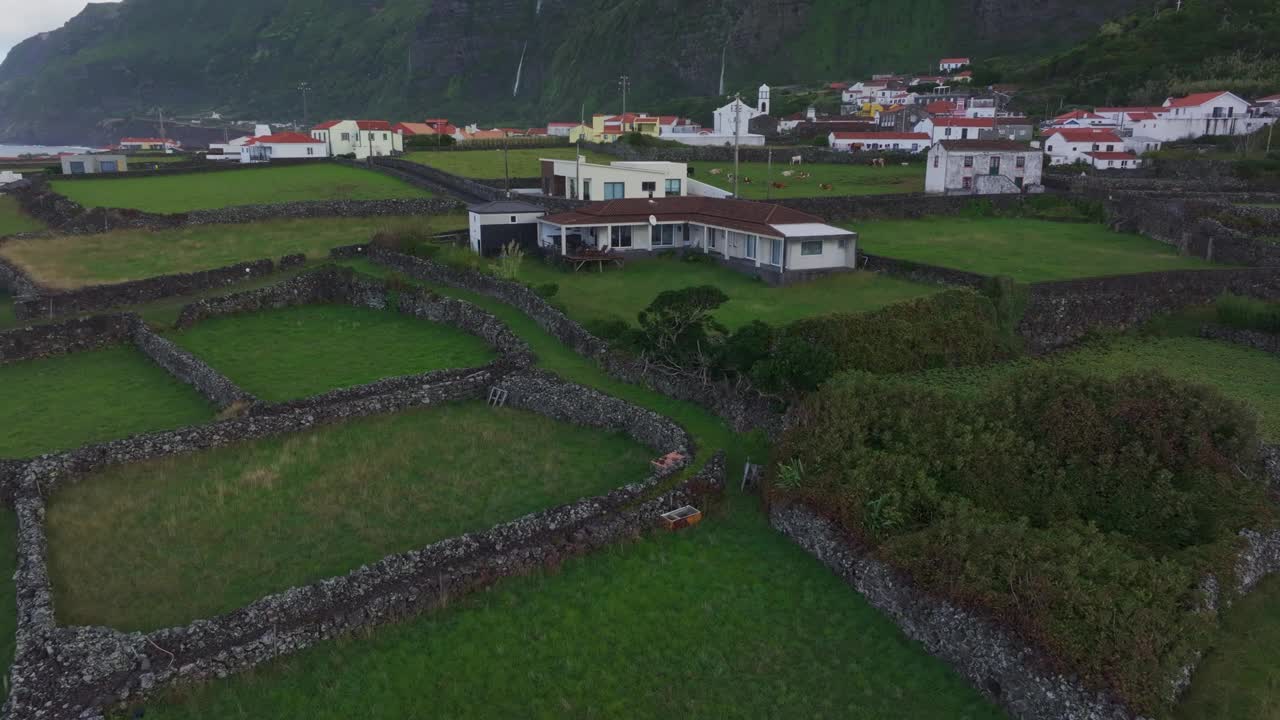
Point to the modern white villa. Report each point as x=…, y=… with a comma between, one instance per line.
x=775, y=243
x=579, y=179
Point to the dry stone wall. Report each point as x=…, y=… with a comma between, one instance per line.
x=213, y=385
x=42, y=341
x=1266, y=342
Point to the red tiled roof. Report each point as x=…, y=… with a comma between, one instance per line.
x=940, y=107
x=965, y=122
x=669, y=119
x=326, y=125
x=145, y=141
x=743, y=215
x=284, y=138
x=1270, y=98
x=373, y=124
x=1195, y=99
x=536, y=131
x=1112, y=155
x=1138, y=116
x=1086, y=135
x=949, y=61
x=1078, y=115
x=411, y=128
x=880, y=136
x=838, y=86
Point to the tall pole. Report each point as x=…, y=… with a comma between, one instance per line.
x=1270, y=129
x=737, y=115
x=624, y=82
x=768, y=188
x=304, y=88
x=577, y=155
x=506, y=166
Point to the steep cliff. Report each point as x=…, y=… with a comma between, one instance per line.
x=410, y=58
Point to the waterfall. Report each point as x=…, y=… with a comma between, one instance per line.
x=537, y=9
x=519, y=69
x=724, y=54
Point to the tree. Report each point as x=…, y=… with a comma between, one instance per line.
x=677, y=327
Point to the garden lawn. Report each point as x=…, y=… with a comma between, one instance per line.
x=1250, y=376
x=1027, y=250
x=488, y=164
x=201, y=191
x=1239, y=679
x=63, y=402
x=295, y=352
x=591, y=297
x=70, y=261
x=14, y=220
x=843, y=179
x=164, y=542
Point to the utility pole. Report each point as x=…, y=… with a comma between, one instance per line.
x=737, y=119
x=624, y=82
x=160, y=115
x=577, y=156
x=506, y=166
x=1270, y=129
x=768, y=188
x=304, y=88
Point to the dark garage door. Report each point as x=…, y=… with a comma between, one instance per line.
x=494, y=237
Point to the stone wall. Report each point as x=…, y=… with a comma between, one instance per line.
x=713, y=153
x=15, y=280
x=49, y=303
x=1062, y=312
x=741, y=407
x=193, y=167
x=65, y=672
x=920, y=272
x=42, y=341
x=1007, y=671
x=213, y=385
x=1266, y=342
x=1194, y=226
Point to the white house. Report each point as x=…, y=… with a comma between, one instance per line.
x=362, y=138
x=230, y=150
x=952, y=64
x=561, y=129
x=1209, y=113
x=136, y=144
x=93, y=164
x=984, y=167
x=770, y=241
x=899, y=141
x=1104, y=160
x=614, y=181
x=9, y=176
x=282, y=146
x=1083, y=119
x=735, y=118
x=956, y=128
x=494, y=224
x=1068, y=145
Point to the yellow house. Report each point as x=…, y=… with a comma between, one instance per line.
x=608, y=128
x=871, y=110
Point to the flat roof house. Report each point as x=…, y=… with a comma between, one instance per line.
x=93, y=164
x=772, y=242
x=494, y=224
x=615, y=181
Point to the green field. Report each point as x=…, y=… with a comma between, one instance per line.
x=201, y=191
x=70, y=261
x=1247, y=375
x=14, y=220
x=488, y=164
x=63, y=402
x=728, y=620
x=621, y=294
x=1239, y=678
x=296, y=352
x=164, y=542
x=843, y=179
x=1027, y=250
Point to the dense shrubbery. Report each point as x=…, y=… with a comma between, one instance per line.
x=1248, y=313
x=428, y=142
x=1079, y=512
x=1042, y=207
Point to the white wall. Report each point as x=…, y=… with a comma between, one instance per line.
x=950, y=170
x=633, y=176
x=833, y=256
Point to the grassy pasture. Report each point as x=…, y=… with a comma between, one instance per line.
x=1027, y=250
x=14, y=220
x=295, y=352
x=63, y=402
x=843, y=179
x=71, y=261
x=204, y=191
x=488, y=164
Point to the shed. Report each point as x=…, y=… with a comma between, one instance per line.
x=494, y=224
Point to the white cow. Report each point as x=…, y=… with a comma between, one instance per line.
x=797, y=159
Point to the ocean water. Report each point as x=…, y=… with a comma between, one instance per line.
x=13, y=151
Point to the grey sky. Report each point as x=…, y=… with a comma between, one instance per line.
x=20, y=19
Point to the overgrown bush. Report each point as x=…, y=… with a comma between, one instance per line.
x=949, y=329
x=509, y=262
x=1077, y=512
x=1248, y=313
x=547, y=290
x=403, y=236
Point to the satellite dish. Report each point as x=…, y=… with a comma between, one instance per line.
x=653, y=219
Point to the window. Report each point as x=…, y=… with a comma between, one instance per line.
x=811, y=247
x=968, y=161
x=1110, y=148
x=947, y=132
x=673, y=186
x=775, y=252
x=936, y=158
x=968, y=183
x=513, y=218
x=620, y=235
x=649, y=187
x=586, y=189
x=346, y=136
x=994, y=165
x=964, y=133
x=665, y=235
x=386, y=136
x=109, y=166
x=713, y=238
x=311, y=151
x=77, y=167
x=1050, y=148
x=751, y=247
x=614, y=191
x=1021, y=161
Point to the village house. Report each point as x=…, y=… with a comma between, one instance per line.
x=137, y=144
x=283, y=146
x=1080, y=119
x=1065, y=146
x=362, y=138
x=93, y=164
x=769, y=241
x=562, y=129
x=615, y=181
x=230, y=150
x=912, y=142
x=949, y=65
x=956, y=128
x=984, y=167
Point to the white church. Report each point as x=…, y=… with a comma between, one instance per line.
x=732, y=122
